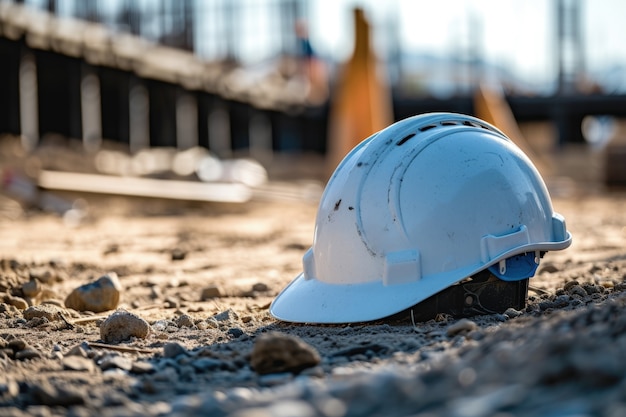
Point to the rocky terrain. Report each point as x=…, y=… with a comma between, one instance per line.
x=137, y=307
x=192, y=334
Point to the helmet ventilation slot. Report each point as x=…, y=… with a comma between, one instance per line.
x=427, y=127
x=404, y=139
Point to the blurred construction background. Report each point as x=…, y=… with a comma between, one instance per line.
x=223, y=91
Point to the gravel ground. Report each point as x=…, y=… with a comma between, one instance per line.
x=192, y=335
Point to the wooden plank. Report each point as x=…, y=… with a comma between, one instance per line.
x=145, y=187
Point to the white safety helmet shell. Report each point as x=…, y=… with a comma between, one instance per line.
x=414, y=209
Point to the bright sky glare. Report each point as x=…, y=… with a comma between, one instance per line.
x=518, y=34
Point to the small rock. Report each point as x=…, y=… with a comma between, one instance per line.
x=9, y=389
x=546, y=305
x=501, y=317
x=43, y=275
x=212, y=291
x=235, y=332
x=162, y=325
x=17, y=302
x=31, y=288
x=78, y=363
x=48, y=311
x=577, y=290
x=561, y=301
x=568, y=285
x=27, y=353
x=206, y=364
x=260, y=287
x=17, y=345
x=272, y=380
x=512, y=313
x=171, y=302
x=37, y=321
x=168, y=374
x=77, y=350
x=172, y=350
x=226, y=316
x=277, y=352
x=123, y=325
x=592, y=289
x=155, y=293
x=184, y=320
x=98, y=296
x=461, y=326
x=116, y=362
x=178, y=254
x=142, y=367
x=47, y=394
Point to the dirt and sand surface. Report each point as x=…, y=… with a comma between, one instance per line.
x=202, y=276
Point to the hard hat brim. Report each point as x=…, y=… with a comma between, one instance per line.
x=314, y=301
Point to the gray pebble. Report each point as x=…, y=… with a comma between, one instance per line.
x=512, y=313
x=142, y=367
x=171, y=302
x=210, y=292
x=184, y=320
x=591, y=289
x=271, y=380
x=568, y=285
x=116, y=362
x=48, y=394
x=172, y=350
x=43, y=275
x=77, y=350
x=178, y=254
x=207, y=364
x=168, y=374
x=78, y=363
x=27, y=353
x=501, y=317
x=155, y=293
x=17, y=344
x=226, y=316
x=31, y=288
x=235, y=332
x=577, y=290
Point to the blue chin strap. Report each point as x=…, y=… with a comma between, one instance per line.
x=517, y=267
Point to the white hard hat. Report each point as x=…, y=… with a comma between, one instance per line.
x=416, y=208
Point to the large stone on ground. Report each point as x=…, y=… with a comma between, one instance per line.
x=122, y=325
x=278, y=352
x=49, y=311
x=98, y=296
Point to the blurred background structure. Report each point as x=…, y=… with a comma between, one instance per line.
x=259, y=78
